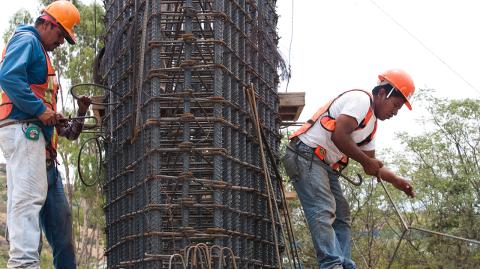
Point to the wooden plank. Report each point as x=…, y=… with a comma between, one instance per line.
x=290, y=195
x=292, y=98
x=291, y=105
x=98, y=110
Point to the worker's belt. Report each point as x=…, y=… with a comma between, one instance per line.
x=319, y=151
x=309, y=153
x=301, y=149
x=295, y=142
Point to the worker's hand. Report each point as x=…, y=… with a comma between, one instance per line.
x=50, y=117
x=372, y=166
x=404, y=185
x=83, y=104
x=60, y=118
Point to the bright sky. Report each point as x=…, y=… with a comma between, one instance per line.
x=10, y=7
x=341, y=45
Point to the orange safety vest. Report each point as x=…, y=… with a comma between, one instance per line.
x=47, y=92
x=328, y=123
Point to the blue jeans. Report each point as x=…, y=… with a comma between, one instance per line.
x=326, y=209
x=56, y=222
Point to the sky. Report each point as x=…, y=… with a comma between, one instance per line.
x=337, y=45
x=10, y=7
x=342, y=45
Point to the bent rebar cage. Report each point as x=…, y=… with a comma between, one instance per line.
x=183, y=161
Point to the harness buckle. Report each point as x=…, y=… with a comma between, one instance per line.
x=320, y=152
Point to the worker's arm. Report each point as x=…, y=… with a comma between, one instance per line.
x=386, y=174
x=14, y=75
x=398, y=182
x=344, y=126
x=369, y=153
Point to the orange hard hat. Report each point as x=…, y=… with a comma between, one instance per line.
x=402, y=81
x=67, y=15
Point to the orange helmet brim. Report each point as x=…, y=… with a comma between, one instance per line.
x=69, y=35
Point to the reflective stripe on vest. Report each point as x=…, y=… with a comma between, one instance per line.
x=47, y=92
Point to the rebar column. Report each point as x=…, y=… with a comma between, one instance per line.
x=183, y=158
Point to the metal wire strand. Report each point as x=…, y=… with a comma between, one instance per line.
x=407, y=228
x=94, y=88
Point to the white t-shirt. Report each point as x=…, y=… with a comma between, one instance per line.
x=354, y=104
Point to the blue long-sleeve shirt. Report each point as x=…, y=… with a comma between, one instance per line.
x=25, y=64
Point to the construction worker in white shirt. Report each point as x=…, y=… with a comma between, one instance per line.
x=343, y=128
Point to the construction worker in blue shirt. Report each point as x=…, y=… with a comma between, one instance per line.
x=29, y=91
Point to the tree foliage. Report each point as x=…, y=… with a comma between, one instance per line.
x=22, y=16
x=444, y=162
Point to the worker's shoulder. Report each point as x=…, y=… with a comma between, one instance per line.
x=25, y=35
x=360, y=96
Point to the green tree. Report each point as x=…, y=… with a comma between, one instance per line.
x=445, y=162
x=22, y=16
